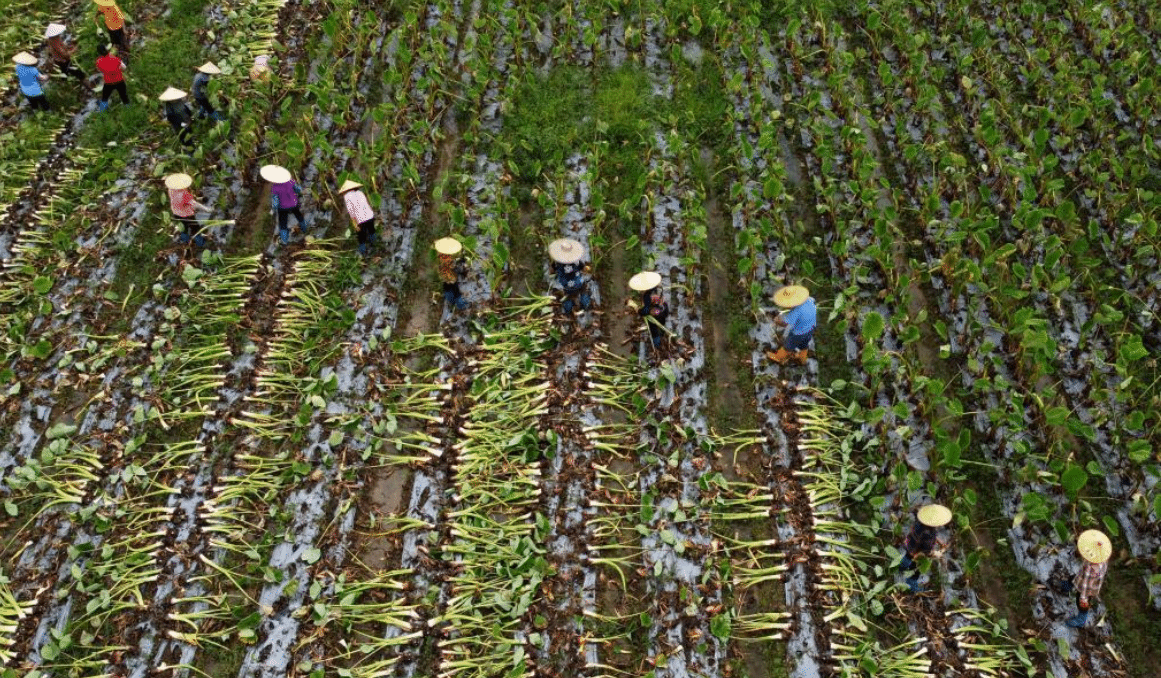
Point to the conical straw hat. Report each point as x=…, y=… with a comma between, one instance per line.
x=172, y=94
x=24, y=59
x=178, y=181
x=54, y=30
x=209, y=68
x=448, y=246
x=791, y=296
x=566, y=251
x=645, y=281
x=105, y=3
x=1094, y=546
x=935, y=515
x=349, y=185
x=275, y=174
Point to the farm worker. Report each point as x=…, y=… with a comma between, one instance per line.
x=113, y=71
x=62, y=53
x=261, y=68
x=114, y=22
x=284, y=194
x=451, y=268
x=800, y=319
x=569, y=268
x=30, y=80
x=177, y=113
x=924, y=540
x=654, y=308
x=1095, y=550
x=200, y=82
x=361, y=213
x=183, y=205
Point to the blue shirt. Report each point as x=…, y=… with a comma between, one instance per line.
x=802, y=318
x=29, y=80
x=200, y=81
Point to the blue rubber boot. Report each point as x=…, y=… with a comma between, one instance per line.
x=1078, y=621
x=567, y=305
x=183, y=238
x=461, y=304
x=913, y=584
x=199, y=241
x=284, y=234
x=102, y=106
x=362, y=248
x=586, y=301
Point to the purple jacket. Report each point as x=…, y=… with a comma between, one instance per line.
x=285, y=196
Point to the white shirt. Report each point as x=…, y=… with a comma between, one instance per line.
x=357, y=206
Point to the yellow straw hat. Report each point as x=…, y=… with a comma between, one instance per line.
x=645, y=281
x=349, y=185
x=209, y=68
x=105, y=3
x=275, y=174
x=1094, y=546
x=566, y=251
x=935, y=515
x=24, y=59
x=172, y=94
x=178, y=181
x=791, y=296
x=448, y=246
x=54, y=30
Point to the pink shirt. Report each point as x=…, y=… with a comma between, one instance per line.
x=357, y=206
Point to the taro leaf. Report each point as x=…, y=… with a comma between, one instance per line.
x=41, y=349
x=668, y=537
x=318, y=401
x=1157, y=507
x=336, y=438
x=1139, y=451
x=857, y=622
x=190, y=274
x=1063, y=647
x=1111, y=525
x=311, y=555
x=873, y=326
x=1056, y=416
x=1133, y=349
x=720, y=626
x=42, y=284
x=1073, y=478
x=11, y=509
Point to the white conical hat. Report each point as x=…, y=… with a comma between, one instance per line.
x=178, y=181
x=25, y=59
x=566, y=251
x=448, y=246
x=172, y=94
x=349, y=185
x=1094, y=546
x=209, y=68
x=275, y=174
x=934, y=515
x=105, y=3
x=645, y=281
x=791, y=296
x=54, y=30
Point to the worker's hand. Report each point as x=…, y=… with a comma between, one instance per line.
x=1082, y=604
x=632, y=304
x=937, y=553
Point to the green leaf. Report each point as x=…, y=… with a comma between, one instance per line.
x=42, y=284
x=336, y=438
x=311, y=555
x=11, y=509
x=1073, y=478
x=668, y=537
x=720, y=626
x=873, y=326
x=1111, y=525
x=61, y=430
x=190, y=274
x=1157, y=507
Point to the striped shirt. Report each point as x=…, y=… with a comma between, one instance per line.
x=181, y=202
x=358, y=207
x=114, y=19
x=1088, y=581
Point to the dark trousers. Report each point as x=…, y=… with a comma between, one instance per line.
x=181, y=126
x=451, y=293
x=38, y=102
x=284, y=216
x=119, y=38
x=68, y=68
x=119, y=87
x=366, y=231
x=206, y=110
x=799, y=342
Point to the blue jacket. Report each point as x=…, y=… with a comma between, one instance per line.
x=29, y=80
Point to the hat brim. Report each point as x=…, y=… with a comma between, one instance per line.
x=349, y=185
x=791, y=296
x=209, y=68
x=934, y=515
x=24, y=59
x=645, y=281
x=105, y=3
x=172, y=94
x=178, y=181
x=275, y=174
x=566, y=251
x=448, y=246
x=54, y=30
x=1094, y=546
